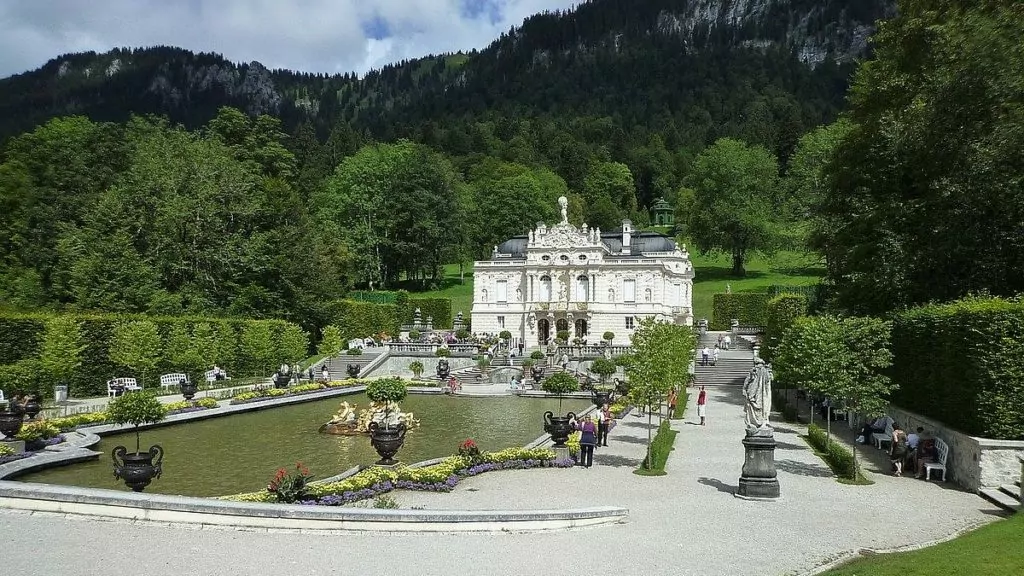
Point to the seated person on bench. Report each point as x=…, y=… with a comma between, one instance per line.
x=878, y=426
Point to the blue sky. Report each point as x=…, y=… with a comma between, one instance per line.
x=310, y=35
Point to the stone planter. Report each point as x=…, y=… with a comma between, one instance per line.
x=600, y=397
x=137, y=469
x=10, y=423
x=188, y=390
x=33, y=407
x=387, y=441
x=558, y=427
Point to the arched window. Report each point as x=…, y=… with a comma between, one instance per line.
x=545, y=288
x=483, y=295
x=582, y=289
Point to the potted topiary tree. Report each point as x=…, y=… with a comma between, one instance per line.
x=559, y=383
x=604, y=368
x=562, y=337
x=137, y=469
x=387, y=432
x=416, y=367
x=608, y=337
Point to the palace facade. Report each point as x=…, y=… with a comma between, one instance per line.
x=582, y=280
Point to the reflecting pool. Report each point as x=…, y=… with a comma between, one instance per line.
x=240, y=453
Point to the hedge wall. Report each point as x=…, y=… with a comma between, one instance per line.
x=782, y=311
x=375, y=296
x=750, y=308
x=362, y=319
x=216, y=341
x=814, y=293
x=963, y=364
x=439, y=308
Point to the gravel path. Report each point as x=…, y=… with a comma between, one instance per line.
x=687, y=522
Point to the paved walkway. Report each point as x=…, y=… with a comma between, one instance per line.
x=685, y=523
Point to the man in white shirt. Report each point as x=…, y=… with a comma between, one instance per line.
x=705, y=353
x=914, y=438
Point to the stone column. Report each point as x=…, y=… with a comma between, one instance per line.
x=758, y=480
x=1021, y=458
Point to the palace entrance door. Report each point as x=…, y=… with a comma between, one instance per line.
x=543, y=331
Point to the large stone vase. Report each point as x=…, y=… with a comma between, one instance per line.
x=600, y=397
x=387, y=440
x=559, y=427
x=353, y=370
x=10, y=423
x=33, y=407
x=188, y=390
x=138, y=469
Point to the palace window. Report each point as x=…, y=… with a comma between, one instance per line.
x=629, y=323
x=501, y=293
x=629, y=290
x=501, y=322
x=582, y=289
x=545, y=288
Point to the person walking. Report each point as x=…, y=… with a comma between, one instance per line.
x=673, y=398
x=705, y=355
x=588, y=438
x=702, y=406
x=714, y=356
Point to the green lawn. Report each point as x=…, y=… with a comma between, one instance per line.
x=993, y=550
x=712, y=273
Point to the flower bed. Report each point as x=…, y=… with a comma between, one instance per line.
x=264, y=393
x=69, y=423
x=7, y=454
x=441, y=477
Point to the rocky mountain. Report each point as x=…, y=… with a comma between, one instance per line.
x=600, y=58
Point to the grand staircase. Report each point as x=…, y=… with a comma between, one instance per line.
x=733, y=364
x=1007, y=496
x=338, y=366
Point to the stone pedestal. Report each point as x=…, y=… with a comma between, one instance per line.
x=17, y=445
x=758, y=480
x=561, y=452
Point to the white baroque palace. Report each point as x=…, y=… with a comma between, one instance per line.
x=582, y=280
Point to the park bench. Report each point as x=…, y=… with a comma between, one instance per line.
x=941, y=454
x=879, y=438
x=172, y=380
x=116, y=385
x=211, y=376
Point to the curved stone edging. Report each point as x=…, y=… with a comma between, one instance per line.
x=203, y=511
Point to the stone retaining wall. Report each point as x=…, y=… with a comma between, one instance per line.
x=399, y=365
x=973, y=462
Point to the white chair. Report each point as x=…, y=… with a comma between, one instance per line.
x=942, y=451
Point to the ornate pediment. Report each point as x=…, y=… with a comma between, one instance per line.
x=562, y=235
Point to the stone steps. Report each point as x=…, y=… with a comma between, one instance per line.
x=1006, y=497
x=338, y=366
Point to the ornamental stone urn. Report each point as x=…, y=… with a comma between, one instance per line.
x=600, y=397
x=353, y=370
x=443, y=369
x=387, y=440
x=537, y=372
x=10, y=423
x=137, y=469
x=188, y=389
x=33, y=407
x=559, y=427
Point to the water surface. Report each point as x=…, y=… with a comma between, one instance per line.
x=240, y=453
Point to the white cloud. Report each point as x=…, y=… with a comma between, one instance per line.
x=309, y=35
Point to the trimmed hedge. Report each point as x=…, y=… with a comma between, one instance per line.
x=782, y=311
x=22, y=334
x=962, y=363
x=814, y=293
x=838, y=457
x=362, y=319
x=438, y=308
x=374, y=297
x=661, y=446
x=750, y=308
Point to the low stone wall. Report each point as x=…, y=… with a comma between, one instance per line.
x=207, y=512
x=973, y=462
x=399, y=365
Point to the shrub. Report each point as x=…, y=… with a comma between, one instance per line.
x=442, y=353
x=661, y=446
x=438, y=309
x=354, y=352
x=290, y=487
x=505, y=335
x=750, y=308
x=562, y=336
x=136, y=408
x=462, y=334
x=414, y=335
x=603, y=367
x=837, y=456
x=560, y=383
x=537, y=355
x=360, y=319
x=608, y=336
x=962, y=364
x=386, y=390
x=416, y=367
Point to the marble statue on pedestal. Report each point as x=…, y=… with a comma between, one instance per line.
x=563, y=203
x=757, y=391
